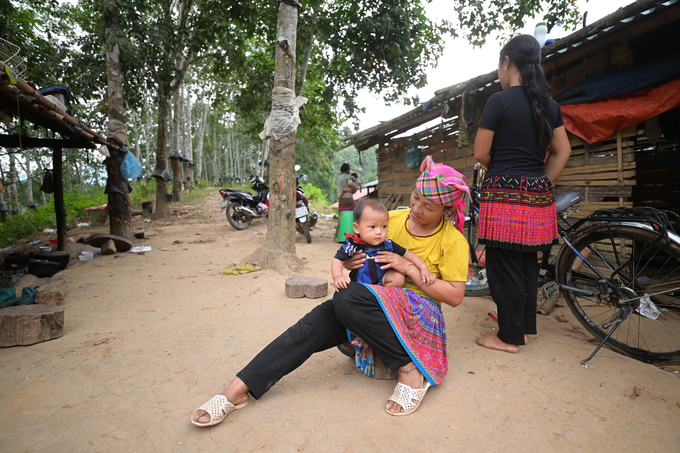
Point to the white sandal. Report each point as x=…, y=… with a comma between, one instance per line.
x=218, y=408
x=404, y=395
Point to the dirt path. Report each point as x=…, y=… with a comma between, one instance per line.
x=151, y=337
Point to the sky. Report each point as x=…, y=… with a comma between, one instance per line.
x=461, y=62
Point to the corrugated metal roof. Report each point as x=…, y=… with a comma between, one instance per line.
x=632, y=13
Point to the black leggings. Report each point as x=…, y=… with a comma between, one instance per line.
x=354, y=308
x=513, y=281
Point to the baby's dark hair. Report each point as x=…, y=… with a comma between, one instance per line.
x=355, y=174
x=372, y=203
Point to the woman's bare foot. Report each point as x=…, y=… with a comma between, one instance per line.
x=490, y=340
x=236, y=393
x=413, y=379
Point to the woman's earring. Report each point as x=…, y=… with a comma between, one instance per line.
x=506, y=77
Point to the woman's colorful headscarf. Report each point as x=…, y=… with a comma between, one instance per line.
x=445, y=186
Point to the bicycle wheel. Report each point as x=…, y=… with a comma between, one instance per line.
x=648, y=287
x=476, y=284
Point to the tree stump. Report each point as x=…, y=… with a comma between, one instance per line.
x=29, y=324
x=311, y=287
x=53, y=294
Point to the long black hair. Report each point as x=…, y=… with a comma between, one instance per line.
x=525, y=52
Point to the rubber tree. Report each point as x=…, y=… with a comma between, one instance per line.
x=278, y=250
x=117, y=185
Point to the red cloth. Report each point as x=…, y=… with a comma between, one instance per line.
x=596, y=121
x=356, y=238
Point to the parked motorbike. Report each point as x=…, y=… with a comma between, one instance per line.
x=304, y=220
x=242, y=207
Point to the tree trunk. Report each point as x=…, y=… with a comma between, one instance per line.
x=41, y=172
x=278, y=250
x=203, y=111
x=265, y=156
x=228, y=172
x=176, y=179
x=176, y=118
x=29, y=179
x=4, y=210
x=81, y=180
x=188, y=145
x=12, y=188
x=135, y=130
x=177, y=146
x=67, y=171
x=116, y=132
x=162, y=210
x=147, y=136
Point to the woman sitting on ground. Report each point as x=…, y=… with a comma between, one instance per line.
x=404, y=326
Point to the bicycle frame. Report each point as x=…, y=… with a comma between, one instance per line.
x=636, y=221
x=473, y=209
x=625, y=305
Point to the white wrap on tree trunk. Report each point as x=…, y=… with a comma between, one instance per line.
x=285, y=115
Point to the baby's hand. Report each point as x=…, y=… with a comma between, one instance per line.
x=340, y=283
x=427, y=276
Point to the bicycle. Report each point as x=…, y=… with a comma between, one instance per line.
x=476, y=284
x=619, y=272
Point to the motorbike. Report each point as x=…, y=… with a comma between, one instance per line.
x=304, y=219
x=242, y=207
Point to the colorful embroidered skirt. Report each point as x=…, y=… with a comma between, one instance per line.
x=346, y=204
x=518, y=213
x=420, y=327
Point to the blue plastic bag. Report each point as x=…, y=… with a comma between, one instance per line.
x=130, y=168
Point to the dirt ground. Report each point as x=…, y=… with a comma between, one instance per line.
x=149, y=338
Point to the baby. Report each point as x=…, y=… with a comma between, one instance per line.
x=370, y=226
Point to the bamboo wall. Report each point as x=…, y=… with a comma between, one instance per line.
x=604, y=174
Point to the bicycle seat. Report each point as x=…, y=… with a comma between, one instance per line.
x=566, y=200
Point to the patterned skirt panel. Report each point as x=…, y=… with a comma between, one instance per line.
x=518, y=213
x=420, y=327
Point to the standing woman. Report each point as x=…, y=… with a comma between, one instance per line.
x=345, y=192
x=517, y=212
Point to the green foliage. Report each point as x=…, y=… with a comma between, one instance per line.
x=32, y=222
x=366, y=164
x=476, y=20
x=143, y=191
x=228, y=47
x=203, y=184
x=313, y=193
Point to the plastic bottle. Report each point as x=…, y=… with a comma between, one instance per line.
x=540, y=32
x=557, y=32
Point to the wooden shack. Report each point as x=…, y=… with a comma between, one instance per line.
x=623, y=168
x=19, y=99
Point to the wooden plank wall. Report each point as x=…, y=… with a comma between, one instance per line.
x=440, y=141
x=603, y=174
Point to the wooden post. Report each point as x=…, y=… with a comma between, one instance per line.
x=59, y=207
